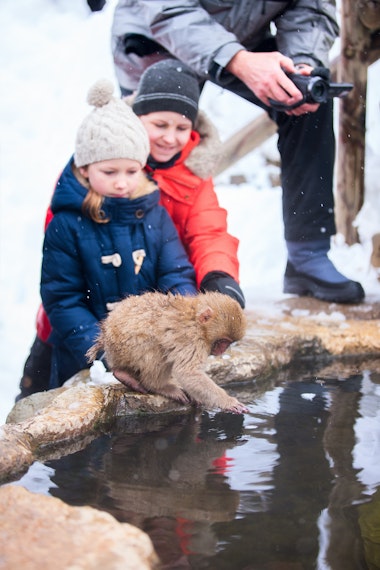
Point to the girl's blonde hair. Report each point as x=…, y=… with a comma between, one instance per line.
x=92, y=207
x=93, y=202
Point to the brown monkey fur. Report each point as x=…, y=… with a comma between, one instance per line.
x=160, y=343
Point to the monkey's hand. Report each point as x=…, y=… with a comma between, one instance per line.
x=237, y=407
x=129, y=381
x=202, y=390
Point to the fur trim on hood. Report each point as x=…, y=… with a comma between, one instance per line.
x=205, y=157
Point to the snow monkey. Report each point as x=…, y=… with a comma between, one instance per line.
x=160, y=343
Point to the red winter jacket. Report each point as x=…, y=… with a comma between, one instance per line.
x=200, y=221
x=187, y=192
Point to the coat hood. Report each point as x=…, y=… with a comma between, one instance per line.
x=69, y=193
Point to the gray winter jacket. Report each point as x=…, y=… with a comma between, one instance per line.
x=202, y=32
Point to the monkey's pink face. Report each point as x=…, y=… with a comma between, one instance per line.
x=220, y=346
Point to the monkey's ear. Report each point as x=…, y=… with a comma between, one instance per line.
x=205, y=315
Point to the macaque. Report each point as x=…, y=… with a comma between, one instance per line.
x=160, y=343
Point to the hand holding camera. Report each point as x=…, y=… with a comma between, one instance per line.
x=315, y=88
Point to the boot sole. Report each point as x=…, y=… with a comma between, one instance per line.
x=304, y=287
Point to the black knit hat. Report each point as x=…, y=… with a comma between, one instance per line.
x=168, y=85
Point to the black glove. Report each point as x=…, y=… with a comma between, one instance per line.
x=96, y=5
x=223, y=283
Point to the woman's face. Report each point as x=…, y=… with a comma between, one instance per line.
x=168, y=133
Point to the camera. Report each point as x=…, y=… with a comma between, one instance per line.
x=317, y=89
x=314, y=88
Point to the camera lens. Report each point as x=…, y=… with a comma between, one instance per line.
x=318, y=91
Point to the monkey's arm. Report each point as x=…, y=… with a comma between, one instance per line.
x=201, y=389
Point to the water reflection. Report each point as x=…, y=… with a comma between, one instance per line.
x=295, y=484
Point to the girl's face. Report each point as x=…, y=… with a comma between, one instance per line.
x=168, y=133
x=116, y=178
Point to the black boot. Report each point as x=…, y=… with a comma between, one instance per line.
x=310, y=272
x=36, y=373
x=297, y=283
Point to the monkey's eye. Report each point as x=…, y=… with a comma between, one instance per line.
x=220, y=346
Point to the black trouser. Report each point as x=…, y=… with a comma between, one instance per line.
x=307, y=148
x=36, y=374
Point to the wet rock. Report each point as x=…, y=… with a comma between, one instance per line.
x=28, y=407
x=15, y=450
x=40, y=532
x=65, y=420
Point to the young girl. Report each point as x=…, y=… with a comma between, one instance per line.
x=109, y=237
x=184, y=150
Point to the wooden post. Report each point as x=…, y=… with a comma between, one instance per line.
x=353, y=65
x=244, y=141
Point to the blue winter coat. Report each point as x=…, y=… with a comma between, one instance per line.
x=81, y=272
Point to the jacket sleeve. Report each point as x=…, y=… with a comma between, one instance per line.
x=307, y=31
x=170, y=25
x=175, y=272
x=63, y=292
x=208, y=243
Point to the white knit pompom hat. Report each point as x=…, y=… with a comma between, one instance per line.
x=111, y=130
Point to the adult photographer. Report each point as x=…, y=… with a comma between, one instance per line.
x=249, y=47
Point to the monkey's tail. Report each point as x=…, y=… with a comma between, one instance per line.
x=92, y=352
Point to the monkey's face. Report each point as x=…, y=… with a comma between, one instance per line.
x=220, y=345
x=221, y=319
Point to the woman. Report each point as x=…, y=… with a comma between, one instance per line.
x=184, y=149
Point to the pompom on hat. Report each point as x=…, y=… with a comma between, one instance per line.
x=168, y=85
x=111, y=130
